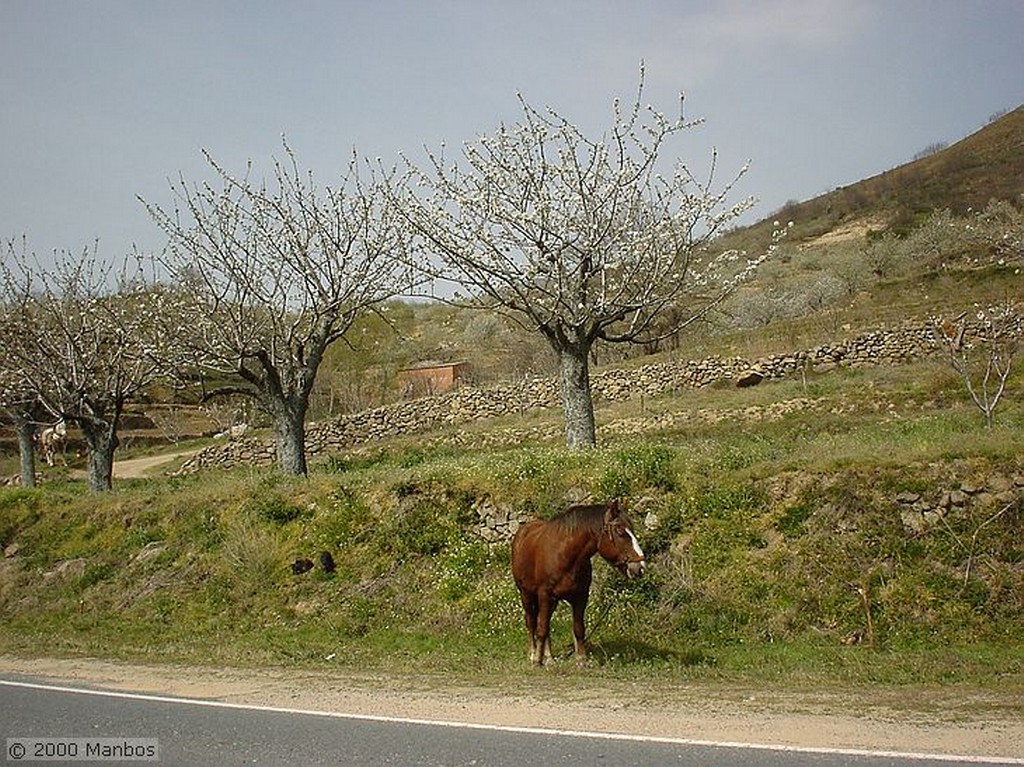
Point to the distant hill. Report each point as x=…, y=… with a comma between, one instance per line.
x=988, y=164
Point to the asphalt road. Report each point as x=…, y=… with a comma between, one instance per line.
x=190, y=732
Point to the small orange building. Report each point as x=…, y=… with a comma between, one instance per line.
x=432, y=378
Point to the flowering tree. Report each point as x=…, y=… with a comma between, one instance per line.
x=999, y=228
x=22, y=407
x=578, y=238
x=272, y=275
x=81, y=338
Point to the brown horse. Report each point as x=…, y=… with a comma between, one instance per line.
x=551, y=562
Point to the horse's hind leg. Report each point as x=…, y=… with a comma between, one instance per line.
x=546, y=606
x=530, y=608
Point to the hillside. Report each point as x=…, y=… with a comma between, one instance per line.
x=986, y=165
x=860, y=526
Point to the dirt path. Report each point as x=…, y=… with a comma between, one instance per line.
x=951, y=723
x=135, y=468
x=138, y=468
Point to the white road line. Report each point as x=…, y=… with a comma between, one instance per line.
x=516, y=728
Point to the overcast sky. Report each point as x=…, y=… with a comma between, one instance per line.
x=103, y=100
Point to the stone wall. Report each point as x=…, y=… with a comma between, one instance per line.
x=993, y=496
x=879, y=347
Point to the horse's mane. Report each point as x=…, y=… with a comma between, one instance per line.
x=589, y=517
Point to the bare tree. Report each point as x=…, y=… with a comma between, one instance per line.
x=82, y=338
x=578, y=238
x=274, y=274
x=982, y=351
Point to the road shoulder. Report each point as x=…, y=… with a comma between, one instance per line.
x=699, y=713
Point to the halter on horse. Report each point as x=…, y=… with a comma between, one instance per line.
x=551, y=562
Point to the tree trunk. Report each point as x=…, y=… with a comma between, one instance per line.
x=101, y=439
x=26, y=450
x=577, y=402
x=290, y=440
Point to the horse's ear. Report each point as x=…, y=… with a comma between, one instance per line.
x=612, y=511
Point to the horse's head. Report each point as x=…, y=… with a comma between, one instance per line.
x=619, y=545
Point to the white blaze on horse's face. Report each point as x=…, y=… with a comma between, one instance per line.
x=635, y=569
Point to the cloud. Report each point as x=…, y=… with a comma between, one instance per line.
x=703, y=42
x=810, y=24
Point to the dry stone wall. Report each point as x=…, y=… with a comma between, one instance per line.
x=887, y=346
x=992, y=496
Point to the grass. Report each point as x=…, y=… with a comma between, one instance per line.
x=761, y=534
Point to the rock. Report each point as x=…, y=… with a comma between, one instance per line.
x=488, y=534
x=1006, y=497
x=150, y=551
x=749, y=378
x=998, y=484
x=69, y=568
x=11, y=551
x=326, y=562
x=913, y=521
x=908, y=498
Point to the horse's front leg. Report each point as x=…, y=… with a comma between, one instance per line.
x=579, y=630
